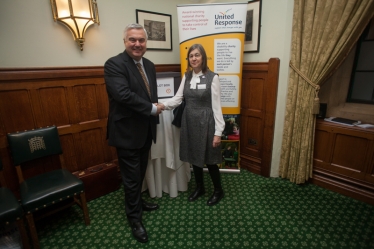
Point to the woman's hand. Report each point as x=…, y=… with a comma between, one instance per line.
x=216, y=141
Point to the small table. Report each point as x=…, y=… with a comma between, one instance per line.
x=165, y=172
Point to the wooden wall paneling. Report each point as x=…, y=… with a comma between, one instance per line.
x=72, y=108
x=85, y=102
x=258, y=105
x=108, y=155
x=72, y=98
x=36, y=107
x=79, y=150
x=103, y=108
x=16, y=110
x=168, y=68
x=102, y=100
x=70, y=152
x=53, y=109
x=92, y=153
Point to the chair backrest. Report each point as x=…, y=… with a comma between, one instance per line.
x=32, y=144
x=2, y=179
x=3, y=183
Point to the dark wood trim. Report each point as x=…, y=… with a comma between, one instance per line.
x=345, y=188
x=168, y=68
x=32, y=74
x=264, y=76
x=255, y=66
x=271, y=105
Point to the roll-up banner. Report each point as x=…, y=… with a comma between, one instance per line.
x=220, y=29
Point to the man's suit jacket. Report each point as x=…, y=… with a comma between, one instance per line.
x=129, y=103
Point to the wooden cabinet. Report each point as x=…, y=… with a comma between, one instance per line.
x=344, y=160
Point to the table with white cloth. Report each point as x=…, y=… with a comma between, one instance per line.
x=165, y=172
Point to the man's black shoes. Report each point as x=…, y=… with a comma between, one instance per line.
x=139, y=232
x=147, y=206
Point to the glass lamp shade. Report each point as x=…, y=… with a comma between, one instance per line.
x=77, y=15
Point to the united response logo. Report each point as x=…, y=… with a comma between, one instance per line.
x=224, y=13
x=225, y=19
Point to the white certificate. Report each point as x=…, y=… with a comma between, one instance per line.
x=165, y=87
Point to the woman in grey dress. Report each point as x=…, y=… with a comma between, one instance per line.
x=202, y=122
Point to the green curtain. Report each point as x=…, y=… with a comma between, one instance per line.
x=323, y=33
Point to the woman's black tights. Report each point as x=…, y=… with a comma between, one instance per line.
x=214, y=175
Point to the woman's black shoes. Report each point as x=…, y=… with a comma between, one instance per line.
x=197, y=193
x=215, y=198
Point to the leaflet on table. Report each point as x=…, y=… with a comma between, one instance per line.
x=366, y=126
x=353, y=123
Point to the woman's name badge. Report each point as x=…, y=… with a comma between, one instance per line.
x=202, y=86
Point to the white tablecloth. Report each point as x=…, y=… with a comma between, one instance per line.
x=165, y=172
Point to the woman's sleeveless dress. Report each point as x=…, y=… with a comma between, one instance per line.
x=198, y=125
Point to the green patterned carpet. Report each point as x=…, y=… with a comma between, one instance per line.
x=256, y=212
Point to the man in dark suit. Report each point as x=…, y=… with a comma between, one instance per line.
x=133, y=115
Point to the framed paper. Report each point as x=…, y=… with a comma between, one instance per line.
x=165, y=87
x=252, y=27
x=158, y=27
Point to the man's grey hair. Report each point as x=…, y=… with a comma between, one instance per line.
x=134, y=26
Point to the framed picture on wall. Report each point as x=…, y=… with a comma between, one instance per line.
x=158, y=27
x=252, y=27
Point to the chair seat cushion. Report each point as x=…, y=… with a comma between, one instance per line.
x=10, y=209
x=48, y=188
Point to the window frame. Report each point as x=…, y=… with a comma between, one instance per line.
x=360, y=41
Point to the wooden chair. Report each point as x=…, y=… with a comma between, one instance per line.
x=11, y=210
x=46, y=189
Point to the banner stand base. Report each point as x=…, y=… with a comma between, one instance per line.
x=222, y=170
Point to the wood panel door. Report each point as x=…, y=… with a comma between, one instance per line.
x=257, y=114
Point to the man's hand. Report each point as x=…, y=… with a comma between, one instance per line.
x=160, y=108
x=162, y=105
